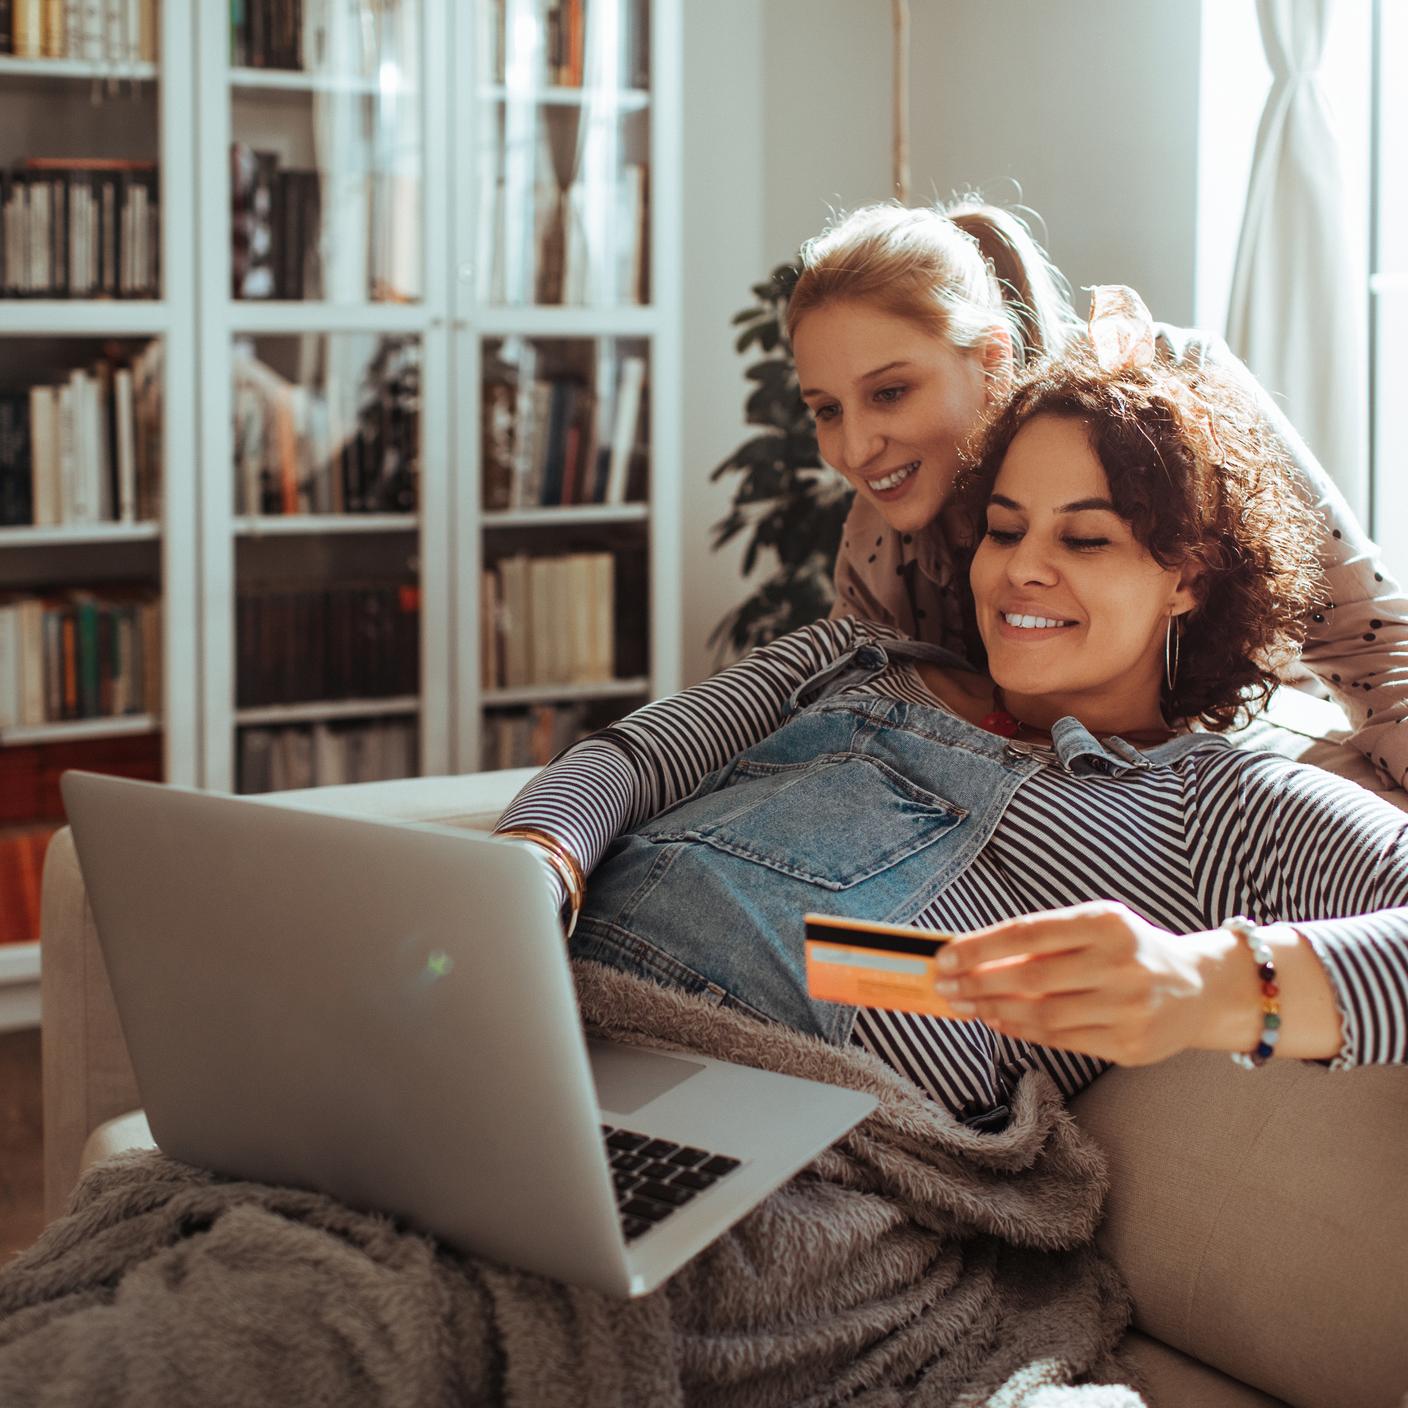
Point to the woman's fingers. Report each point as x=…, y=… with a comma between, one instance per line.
x=1054, y=931
x=1071, y=970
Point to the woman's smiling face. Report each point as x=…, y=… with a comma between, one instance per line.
x=892, y=403
x=1071, y=606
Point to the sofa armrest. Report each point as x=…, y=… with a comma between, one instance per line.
x=1259, y=1219
x=87, y=1076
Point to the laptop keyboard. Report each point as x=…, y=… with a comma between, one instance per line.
x=654, y=1177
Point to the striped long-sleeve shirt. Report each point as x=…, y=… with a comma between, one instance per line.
x=1220, y=831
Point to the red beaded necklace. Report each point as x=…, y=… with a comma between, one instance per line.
x=1001, y=721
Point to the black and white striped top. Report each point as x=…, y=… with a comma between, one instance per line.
x=1220, y=831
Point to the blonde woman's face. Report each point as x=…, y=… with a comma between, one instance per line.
x=892, y=404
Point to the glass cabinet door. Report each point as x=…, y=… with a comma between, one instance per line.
x=564, y=153
x=327, y=151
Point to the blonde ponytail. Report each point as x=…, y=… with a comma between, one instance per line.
x=961, y=271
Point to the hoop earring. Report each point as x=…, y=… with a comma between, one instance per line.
x=1172, y=636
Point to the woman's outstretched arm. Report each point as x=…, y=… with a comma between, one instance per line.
x=1318, y=860
x=656, y=756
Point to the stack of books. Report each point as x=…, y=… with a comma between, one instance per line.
x=276, y=227
x=31, y=809
x=297, y=645
x=86, y=449
x=80, y=227
x=557, y=441
x=79, y=655
x=107, y=32
x=548, y=620
x=328, y=447
x=522, y=738
x=325, y=754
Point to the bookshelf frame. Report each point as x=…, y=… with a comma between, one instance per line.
x=196, y=540
x=172, y=318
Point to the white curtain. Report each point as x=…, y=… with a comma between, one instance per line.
x=1296, y=313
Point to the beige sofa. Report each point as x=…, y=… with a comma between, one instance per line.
x=1260, y=1218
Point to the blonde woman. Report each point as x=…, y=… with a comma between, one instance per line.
x=906, y=325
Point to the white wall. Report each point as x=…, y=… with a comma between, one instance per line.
x=1092, y=105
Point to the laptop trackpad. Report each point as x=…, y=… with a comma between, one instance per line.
x=628, y=1077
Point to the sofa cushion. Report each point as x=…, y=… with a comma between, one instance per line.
x=1259, y=1218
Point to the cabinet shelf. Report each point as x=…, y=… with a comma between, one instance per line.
x=83, y=317
x=293, y=525
x=328, y=710
x=565, y=517
x=308, y=81
x=79, y=70
x=19, y=986
x=564, y=693
x=619, y=99
x=77, y=534
x=276, y=317
x=72, y=730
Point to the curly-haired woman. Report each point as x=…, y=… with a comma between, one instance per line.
x=1145, y=559
x=906, y=325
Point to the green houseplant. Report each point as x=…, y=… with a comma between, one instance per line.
x=790, y=506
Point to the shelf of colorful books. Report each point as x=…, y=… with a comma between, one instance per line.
x=76, y=730
x=322, y=711
x=299, y=524
x=556, y=693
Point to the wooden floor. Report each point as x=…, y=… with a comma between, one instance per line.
x=21, y=1143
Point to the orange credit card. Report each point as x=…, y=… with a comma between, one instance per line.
x=865, y=964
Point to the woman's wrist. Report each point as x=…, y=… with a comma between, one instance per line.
x=564, y=870
x=1233, y=1007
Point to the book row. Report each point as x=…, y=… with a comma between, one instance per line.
x=276, y=227
x=345, y=642
x=548, y=620
x=111, y=32
x=21, y=882
x=30, y=772
x=87, y=449
x=349, y=443
x=325, y=754
x=78, y=656
x=559, y=441
x=79, y=228
x=347, y=35
x=31, y=809
x=563, y=43
x=524, y=738
x=560, y=240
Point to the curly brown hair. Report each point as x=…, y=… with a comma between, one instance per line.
x=1201, y=478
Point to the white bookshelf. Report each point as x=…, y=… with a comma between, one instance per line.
x=205, y=546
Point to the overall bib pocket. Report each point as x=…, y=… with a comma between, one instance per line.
x=833, y=821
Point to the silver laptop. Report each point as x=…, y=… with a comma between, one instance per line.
x=385, y=1011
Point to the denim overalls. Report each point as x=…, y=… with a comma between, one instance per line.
x=859, y=805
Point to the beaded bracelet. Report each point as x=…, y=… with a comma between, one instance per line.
x=1265, y=1048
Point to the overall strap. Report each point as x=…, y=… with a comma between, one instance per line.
x=863, y=663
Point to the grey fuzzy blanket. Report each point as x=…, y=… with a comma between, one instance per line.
x=916, y=1262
